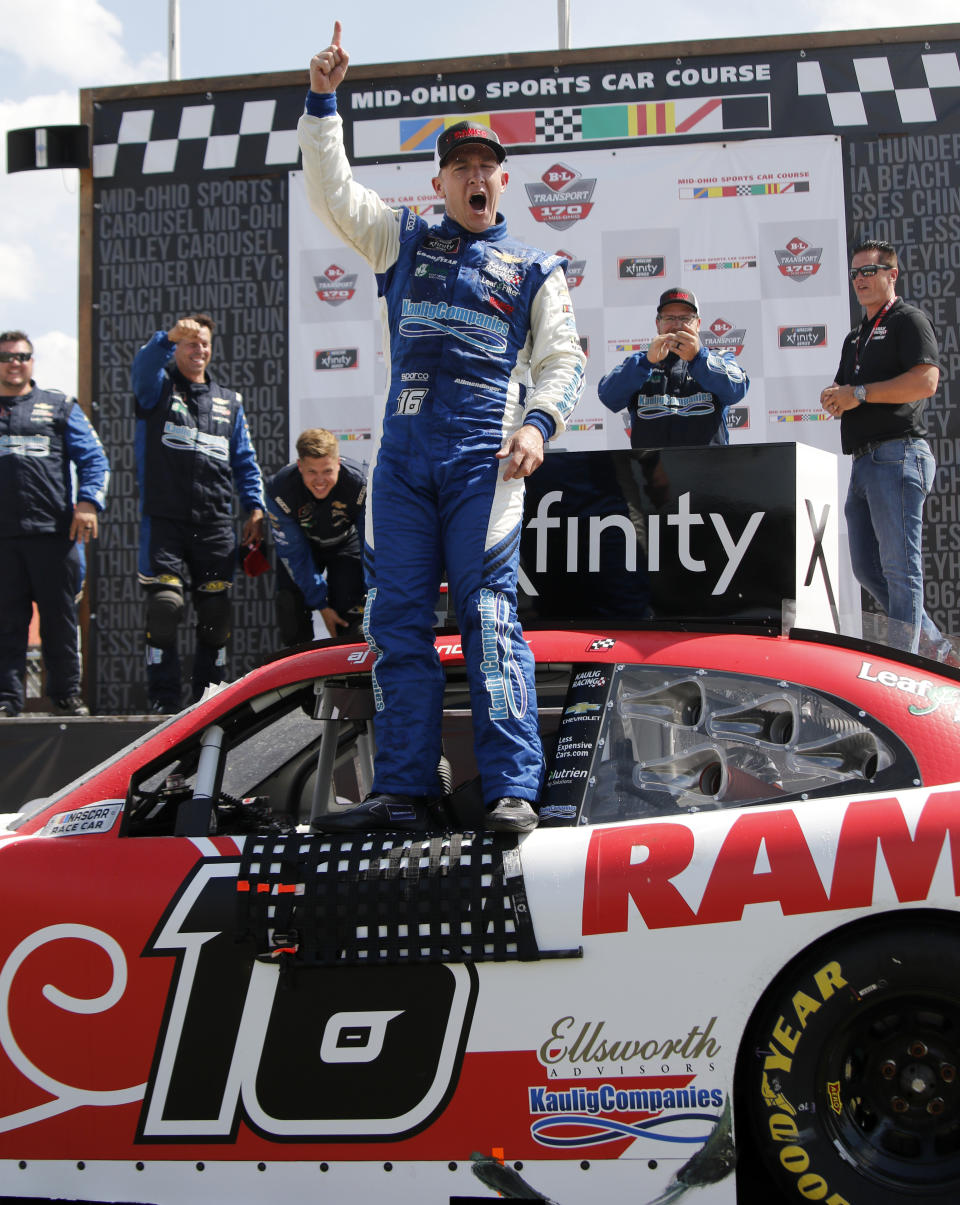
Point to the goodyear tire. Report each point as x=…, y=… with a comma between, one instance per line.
x=851, y=1078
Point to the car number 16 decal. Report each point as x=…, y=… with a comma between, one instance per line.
x=351, y=1052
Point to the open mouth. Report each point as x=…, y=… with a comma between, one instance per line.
x=478, y=202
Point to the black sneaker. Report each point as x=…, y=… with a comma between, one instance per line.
x=510, y=815
x=392, y=813
x=7, y=712
x=71, y=705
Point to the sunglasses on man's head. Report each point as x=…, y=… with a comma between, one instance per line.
x=8, y=357
x=870, y=270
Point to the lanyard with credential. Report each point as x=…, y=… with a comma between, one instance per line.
x=861, y=343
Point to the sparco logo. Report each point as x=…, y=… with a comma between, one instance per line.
x=562, y=196
x=335, y=286
x=802, y=336
x=640, y=267
x=798, y=260
x=575, y=269
x=724, y=336
x=335, y=357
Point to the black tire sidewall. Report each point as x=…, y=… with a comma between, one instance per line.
x=787, y=1093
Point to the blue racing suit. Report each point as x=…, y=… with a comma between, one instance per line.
x=43, y=433
x=467, y=317
x=319, y=554
x=192, y=446
x=673, y=403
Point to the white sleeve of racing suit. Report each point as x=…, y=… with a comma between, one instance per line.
x=556, y=358
x=356, y=215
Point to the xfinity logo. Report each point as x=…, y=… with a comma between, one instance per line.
x=659, y=535
x=802, y=336
x=335, y=357
x=640, y=267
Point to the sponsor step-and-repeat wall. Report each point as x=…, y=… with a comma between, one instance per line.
x=743, y=174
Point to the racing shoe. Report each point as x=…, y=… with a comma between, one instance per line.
x=393, y=813
x=71, y=705
x=511, y=815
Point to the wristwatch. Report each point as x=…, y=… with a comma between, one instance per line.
x=860, y=392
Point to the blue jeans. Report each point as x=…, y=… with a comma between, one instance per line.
x=884, y=511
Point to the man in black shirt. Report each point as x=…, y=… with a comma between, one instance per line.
x=889, y=367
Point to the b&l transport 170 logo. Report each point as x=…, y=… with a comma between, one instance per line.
x=722, y=335
x=575, y=268
x=336, y=285
x=561, y=197
x=798, y=260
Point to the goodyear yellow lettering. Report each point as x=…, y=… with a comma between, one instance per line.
x=803, y=1006
x=774, y=1098
x=776, y=1060
x=787, y=1037
x=812, y=1187
x=795, y=1159
x=828, y=979
x=783, y=1128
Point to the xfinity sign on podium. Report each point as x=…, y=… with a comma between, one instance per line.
x=709, y=534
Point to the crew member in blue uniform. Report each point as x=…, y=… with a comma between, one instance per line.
x=44, y=526
x=676, y=392
x=471, y=317
x=315, y=507
x=192, y=448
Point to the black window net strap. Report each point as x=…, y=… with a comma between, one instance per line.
x=317, y=900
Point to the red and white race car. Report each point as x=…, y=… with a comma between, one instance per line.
x=723, y=969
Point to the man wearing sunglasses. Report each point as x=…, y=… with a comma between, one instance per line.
x=889, y=367
x=43, y=531
x=677, y=392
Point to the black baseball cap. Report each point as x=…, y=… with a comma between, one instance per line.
x=468, y=131
x=680, y=295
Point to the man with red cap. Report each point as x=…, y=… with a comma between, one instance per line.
x=677, y=392
x=471, y=316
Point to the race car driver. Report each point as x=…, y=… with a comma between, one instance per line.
x=469, y=312
x=191, y=439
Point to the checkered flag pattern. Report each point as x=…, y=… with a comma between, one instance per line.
x=227, y=133
x=558, y=125
x=864, y=90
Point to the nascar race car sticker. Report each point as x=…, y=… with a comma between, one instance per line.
x=96, y=818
